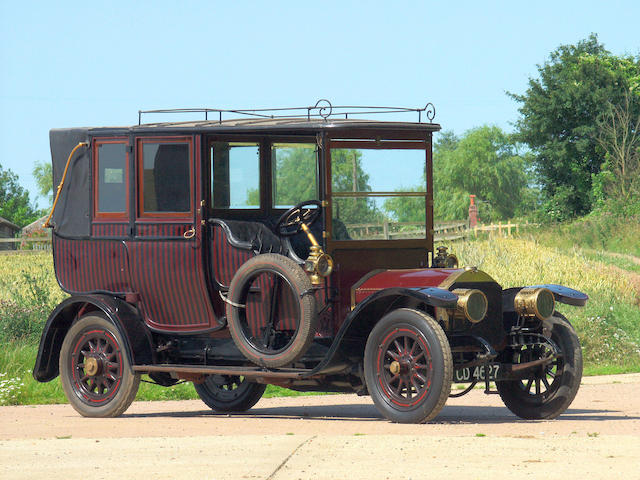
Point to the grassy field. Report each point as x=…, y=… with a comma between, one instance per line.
x=608, y=327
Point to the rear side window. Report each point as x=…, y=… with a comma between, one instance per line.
x=111, y=179
x=164, y=169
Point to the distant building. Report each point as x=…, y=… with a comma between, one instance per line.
x=8, y=230
x=35, y=230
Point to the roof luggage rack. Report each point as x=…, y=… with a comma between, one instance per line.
x=322, y=109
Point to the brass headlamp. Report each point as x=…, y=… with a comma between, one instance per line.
x=472, y=303
x=535, y=302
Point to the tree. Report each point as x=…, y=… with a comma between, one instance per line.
x=44, y=179
x=14, y=200
x=559, y=119
x=619, y=137
x=484, y=162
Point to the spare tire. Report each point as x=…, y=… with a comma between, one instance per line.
x=271, y=310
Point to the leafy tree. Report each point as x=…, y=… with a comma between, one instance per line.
x=559, y=119
x=484, y=162
x=618, y=183
x=44, y=179
x=14, y=200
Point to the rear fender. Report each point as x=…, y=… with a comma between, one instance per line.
x=125, y=317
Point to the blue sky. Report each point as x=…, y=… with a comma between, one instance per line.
x=66, y=64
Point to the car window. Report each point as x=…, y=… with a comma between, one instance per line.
x=236, y=175
x=378, y=194
x=166, y=177
x=111, y=178
x=295, y=173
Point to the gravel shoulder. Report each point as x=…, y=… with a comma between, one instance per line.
x=333, y=436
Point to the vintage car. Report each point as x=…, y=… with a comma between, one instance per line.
x=292, y=247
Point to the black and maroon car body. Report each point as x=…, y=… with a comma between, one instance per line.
x=271, y=249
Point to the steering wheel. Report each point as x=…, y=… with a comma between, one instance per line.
x=290, y=223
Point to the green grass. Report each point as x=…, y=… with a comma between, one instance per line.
x=601, y=232
x=608, y=327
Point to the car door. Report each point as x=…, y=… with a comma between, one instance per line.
x=166, y=253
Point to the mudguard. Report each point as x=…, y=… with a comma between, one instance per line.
x=137, y=338
x=374, y=307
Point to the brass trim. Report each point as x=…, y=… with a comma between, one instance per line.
x=359, y=283
x=462, y=275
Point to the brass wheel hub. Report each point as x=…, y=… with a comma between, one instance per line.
x=401, y=367
x=91, y=366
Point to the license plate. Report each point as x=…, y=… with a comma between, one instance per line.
x=476, y=374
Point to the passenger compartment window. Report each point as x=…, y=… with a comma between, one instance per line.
x=378, y=193
x=111, y=179
x=295, y=173
x=236, y=175
x=164, y=168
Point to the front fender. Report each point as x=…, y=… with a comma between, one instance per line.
x=137, y=338
x=360, y=321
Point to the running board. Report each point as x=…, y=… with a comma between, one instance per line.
x=251, y=372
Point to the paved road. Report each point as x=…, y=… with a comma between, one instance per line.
x=336, y=436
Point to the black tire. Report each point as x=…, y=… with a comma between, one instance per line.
x=555, y=385
x=226, y=393
x=417, y=391
x=94, y=369
x=267, y=333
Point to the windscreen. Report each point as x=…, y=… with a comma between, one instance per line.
x=378, y=193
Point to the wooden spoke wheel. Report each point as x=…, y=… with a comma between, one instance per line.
x=549, y=390
x=229, y=393
x=94, y=369
x=408, y=366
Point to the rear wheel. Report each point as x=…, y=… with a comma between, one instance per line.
x=549, y=390
x=408, y=366
x=94, y=369
x=228, y=393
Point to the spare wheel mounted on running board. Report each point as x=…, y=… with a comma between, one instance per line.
x=271, y=310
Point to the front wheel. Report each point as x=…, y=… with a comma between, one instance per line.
x=408, y=366
x=549, y=390
x=94, y=369
x=229, y=393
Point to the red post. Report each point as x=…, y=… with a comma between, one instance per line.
x=473, y=212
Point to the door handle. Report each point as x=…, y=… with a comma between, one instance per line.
x=189, y=233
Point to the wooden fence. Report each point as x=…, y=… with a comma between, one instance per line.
x=443, y=231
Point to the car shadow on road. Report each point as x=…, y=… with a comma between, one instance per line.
x=368, y=413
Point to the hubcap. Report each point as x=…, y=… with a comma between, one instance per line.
x=91, y=366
